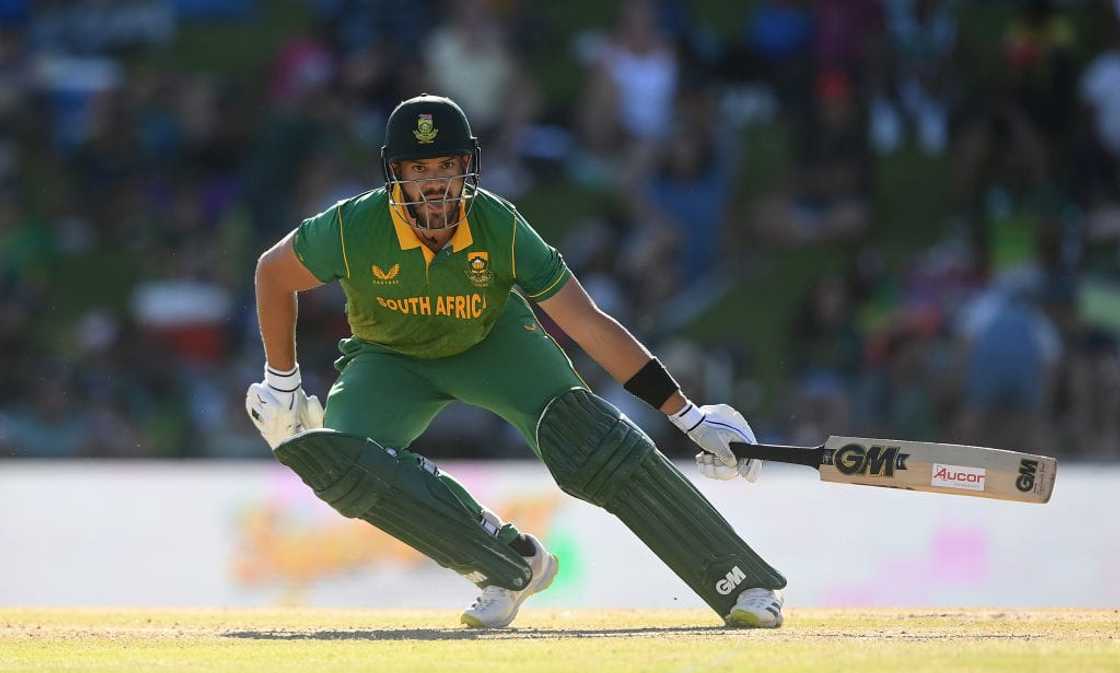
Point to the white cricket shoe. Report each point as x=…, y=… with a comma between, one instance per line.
x=757, y=609
x=496, y=606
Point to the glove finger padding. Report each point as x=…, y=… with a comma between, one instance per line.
x=725, y=455
x=715, y=441
x=311, y=412
x=714, y=468
x=723, y=425
x=275, y=420
x=750, y=468
x=258, y=405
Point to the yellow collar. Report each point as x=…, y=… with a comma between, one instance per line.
x=408, y=239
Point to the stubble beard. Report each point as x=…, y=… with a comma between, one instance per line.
x=424, y=214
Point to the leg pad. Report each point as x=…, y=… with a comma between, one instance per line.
x=361, y=479
x=598, y=455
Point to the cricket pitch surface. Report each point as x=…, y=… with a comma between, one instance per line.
x=586, y=641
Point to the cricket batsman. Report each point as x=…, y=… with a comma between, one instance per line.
x=438, y=275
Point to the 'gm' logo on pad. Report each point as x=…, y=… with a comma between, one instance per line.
x=730, y=581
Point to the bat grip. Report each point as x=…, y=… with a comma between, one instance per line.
x=798, y=455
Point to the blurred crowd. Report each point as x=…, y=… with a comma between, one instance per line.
x=677, y=164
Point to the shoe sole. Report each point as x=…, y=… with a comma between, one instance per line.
x=748, y=620
x=546, y=581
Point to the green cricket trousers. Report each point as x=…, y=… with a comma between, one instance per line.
x=392, y=398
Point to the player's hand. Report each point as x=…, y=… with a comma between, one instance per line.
x=280, y=408
x=713, y=427
x=713, y=468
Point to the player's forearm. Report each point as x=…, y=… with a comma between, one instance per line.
x=616, y=350
x=612, y=346
x=280, y=275
x=277, y=310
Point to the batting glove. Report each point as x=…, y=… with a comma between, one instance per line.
x=713, y=427
x=280, y=408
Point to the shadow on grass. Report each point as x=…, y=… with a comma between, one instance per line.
x=480, y=634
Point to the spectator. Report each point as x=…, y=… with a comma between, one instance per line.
x=469, y=61
x=1002, y=172
x=846, y=35
x=775, y=49
x=1011, y=350
x=100, y=27
x=1038, y=53
x=688, y=193
x=303, y=69
x=827, y=196
x=1094, y=396
x=45, y=423
x=388, y=24
x=124, y=179
x=1097, y=158
x=923, y=36
x=15, y=77
x=629, y=100
x=828, y=348
x=910, y=397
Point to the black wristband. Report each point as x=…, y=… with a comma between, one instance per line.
x=652, y=384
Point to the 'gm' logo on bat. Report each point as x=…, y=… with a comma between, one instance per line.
x=875, y=460
x=730, y=581
x=1027, y=471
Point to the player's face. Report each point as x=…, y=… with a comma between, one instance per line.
x=437, y=183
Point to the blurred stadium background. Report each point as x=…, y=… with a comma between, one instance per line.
x=894, y=218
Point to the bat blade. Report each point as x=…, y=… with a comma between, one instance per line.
x=922, y=466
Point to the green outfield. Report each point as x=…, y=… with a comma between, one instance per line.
x=589, y=641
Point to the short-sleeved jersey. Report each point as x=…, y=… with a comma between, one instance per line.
x=401, y=295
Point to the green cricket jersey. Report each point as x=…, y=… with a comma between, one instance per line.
x=401, y=295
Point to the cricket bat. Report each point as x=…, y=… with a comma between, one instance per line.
x=920, y=466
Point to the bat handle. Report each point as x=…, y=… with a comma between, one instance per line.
x=798, y=455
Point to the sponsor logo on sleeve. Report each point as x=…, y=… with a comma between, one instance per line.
x=959, y=476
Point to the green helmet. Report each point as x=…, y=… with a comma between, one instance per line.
x=426, y=127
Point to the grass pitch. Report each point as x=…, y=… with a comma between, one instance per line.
x=588, y=641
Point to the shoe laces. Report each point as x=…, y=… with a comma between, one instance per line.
x=490, y=595
x=760, y=600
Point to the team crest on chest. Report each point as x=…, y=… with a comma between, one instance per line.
x=382, y=277
x=478, y=268
x=426, y=130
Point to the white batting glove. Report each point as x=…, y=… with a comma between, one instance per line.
x=280, y=408
x=713, y=427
